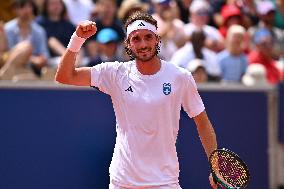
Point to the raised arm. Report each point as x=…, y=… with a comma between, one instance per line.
x=67, y=73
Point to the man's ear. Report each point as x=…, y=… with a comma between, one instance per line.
x=126, y=43
x=158, y=39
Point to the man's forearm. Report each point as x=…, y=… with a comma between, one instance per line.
x=206, y=133
x=208, y=138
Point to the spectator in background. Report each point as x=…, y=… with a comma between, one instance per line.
x=249, y=12
x=195, y=49
x=215, y=18
x=199, y=17
x=266, y=10
x=106, y=18
x=246, y=7
x=26, y=41
x=170, y=28
x=232, y=60
x=128, y=7
x=58, y=28
x=108, y=40
x=262, y=54
x=198, y=70
x=79, y=10
x=183, y=5
x=231, y=15
x=279, y=15
x=255, y=76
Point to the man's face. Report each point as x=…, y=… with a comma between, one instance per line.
x=108, y=8
x=54, y=7
x=25, y=12
x=268, y=18
x=237, y=38
x=108, y=49
x=143, y=44
x=233, y=20
x=265, y=46
x=200, y=17
x=235, y=43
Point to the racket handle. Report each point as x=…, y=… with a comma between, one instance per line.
x=219, y=186
x=216, y=182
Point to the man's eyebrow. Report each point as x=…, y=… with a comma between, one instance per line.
x=135, y=37
x=149, y=35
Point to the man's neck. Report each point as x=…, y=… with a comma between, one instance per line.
x=107, y=21
x=24, y=24
x=266, y=24
x=235, y=52
x=149, y=67
x=54, y=18
x=25, y=28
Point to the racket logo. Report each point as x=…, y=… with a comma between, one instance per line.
x=167, y=88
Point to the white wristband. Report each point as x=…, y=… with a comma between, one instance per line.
x=75, y=43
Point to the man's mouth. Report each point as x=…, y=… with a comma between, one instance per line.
x=144, y=51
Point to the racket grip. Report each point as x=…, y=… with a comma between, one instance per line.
x=214, y=179
x=216, y=182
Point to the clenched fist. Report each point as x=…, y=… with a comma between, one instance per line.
x=86, y=29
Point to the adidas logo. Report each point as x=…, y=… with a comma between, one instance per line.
x=141, y=24
x=129, y=89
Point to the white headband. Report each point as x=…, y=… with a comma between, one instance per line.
x=139, y=25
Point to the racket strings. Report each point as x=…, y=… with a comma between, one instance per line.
x=229, y=169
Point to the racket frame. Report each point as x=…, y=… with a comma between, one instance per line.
x=216, y=179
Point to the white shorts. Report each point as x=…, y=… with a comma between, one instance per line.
x=171, y=186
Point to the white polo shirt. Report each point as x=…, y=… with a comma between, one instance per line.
x=147, y=109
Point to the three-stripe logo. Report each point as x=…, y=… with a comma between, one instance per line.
x=141, y=24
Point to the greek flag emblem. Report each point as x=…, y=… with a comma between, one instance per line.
x=167, y=88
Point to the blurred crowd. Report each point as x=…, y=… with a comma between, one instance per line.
x=222, y=41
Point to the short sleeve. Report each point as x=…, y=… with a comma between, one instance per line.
x=191, y=100
x=10, y=34
x=103, y=76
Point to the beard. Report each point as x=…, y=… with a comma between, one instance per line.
x=150, y=54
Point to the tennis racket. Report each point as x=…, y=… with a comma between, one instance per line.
x=228, y=170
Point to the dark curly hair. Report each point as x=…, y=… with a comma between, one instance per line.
x=21, y=3
x=140, y=15
x=198, y=41
x=45, y=7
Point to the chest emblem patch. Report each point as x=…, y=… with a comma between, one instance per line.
x=167, y=88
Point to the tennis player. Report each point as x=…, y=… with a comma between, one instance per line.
x=147, y=95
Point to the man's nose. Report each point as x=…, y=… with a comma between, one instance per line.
x=143, y=43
